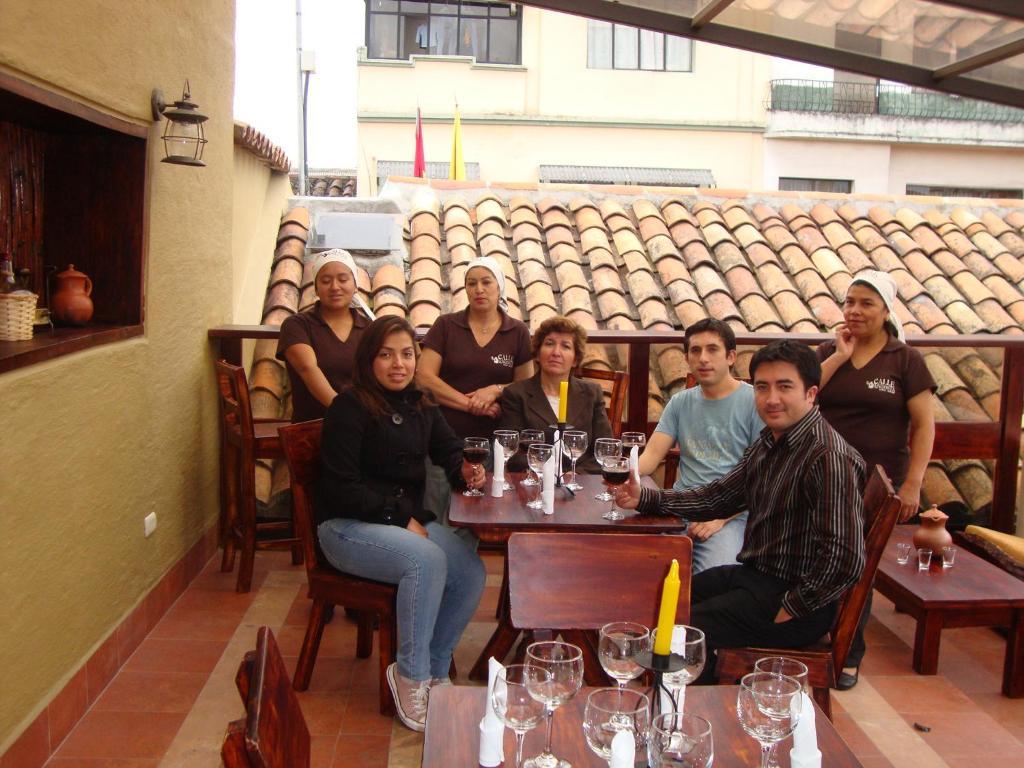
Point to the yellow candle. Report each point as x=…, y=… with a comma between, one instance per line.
x=667, y=613
x=563, y=401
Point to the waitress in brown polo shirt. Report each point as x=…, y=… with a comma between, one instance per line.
x=318, y=345
x=877, y=393
x=468, y=357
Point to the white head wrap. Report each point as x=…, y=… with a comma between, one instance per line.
x=490, y=264
x=885, y=287
x=341, y=256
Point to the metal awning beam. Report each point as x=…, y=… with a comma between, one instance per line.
x=979, y=60
x=1012, y=9
x=709, y=12
x=760, y=42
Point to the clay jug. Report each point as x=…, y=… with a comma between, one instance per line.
x=932, y=533
x=70, y=303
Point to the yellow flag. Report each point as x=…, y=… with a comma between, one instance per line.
x=457, y=168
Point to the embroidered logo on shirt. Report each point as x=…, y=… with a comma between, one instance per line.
x=883, y=385
x=506, y=360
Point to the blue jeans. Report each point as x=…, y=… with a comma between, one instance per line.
x=722, y=548
x=439, y=580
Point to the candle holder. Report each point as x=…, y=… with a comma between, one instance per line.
x=658, y=664
x=557, y=446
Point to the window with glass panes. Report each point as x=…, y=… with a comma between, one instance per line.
x=615, y=46
x=488, y=31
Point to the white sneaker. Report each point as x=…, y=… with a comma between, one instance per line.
x=410, y=698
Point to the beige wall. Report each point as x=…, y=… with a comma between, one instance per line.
x=955, y=166
x=93, y=441
x=864, y=163
x=553, y=110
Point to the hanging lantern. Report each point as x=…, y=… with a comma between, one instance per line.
x=183, y=136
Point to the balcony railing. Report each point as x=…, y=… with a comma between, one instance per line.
x=879, y=99
x=998, y=441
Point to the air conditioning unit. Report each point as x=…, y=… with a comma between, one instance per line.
x=357, y=231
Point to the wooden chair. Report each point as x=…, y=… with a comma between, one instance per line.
x=620, y=388
x=569, y=583
x=327, y=585
x=825, y=658
x=245, y=439
x=273, y=733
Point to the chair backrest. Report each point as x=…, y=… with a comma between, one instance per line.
x=233, y=395
x=881, y=510
x=617, y=401
x=585, y=580
x=301, y=446
x=273, y=733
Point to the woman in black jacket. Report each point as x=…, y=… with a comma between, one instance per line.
x=370, y=517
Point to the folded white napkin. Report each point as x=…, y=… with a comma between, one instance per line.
x=498, y=479
x=805, y=752
x=623, y=750
x=492, y=731
x=547, y=492
x=634, y=462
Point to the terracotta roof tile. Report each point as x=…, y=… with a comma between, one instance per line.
x=653, y=312
x=967, y=221
x=828, y=262
x=950, y=264
x=298, y=215
x=722, y=306
x=1011, y=267
x=423, y=315
x=602, y=257
x=642, y=208
x=492, y=245
x=561, y=254
x=1013, y=242
x=555, y=217
x=390, y=276
x=661, y=247
x=606, y=280
x=490, y=228
x=388, y=297
x=920, y=266
x=462, y=255
x=795, y=259
x=682, y=290
x=643, y=287
x=306, y=300
x=672, y=362
x=539, y=294
x=576, y=299
x=425, y=247
x=425, y=224
x=653, y=227
x=773, y=279
x=927, y=312
x=675, y=212
x=839, y=284
x=996, y=319
x=626, y=240
x=281, y=296
x=287, y=270
x=637, y=261
x=456, y=216
x=266, y=375
x=881, y=216
x=964, y=318
x=611, y=207
x=736, y=215
x=292, y=248
x=973, y=482
x=760, y=254
x=824, y=214
x=526, y=231
x=811, y=239
x=548, y=203
x=531, y=272
x=560, y=235
x=277, y=316
x=588, y=218
x=972, y=288
x=810, y=284
x=885, y=259
x=524, y=214
x=715, y=233
x=826, y=311
x=425, y=291
x=425, y=269
x=617, y=222
x=490, y=208
x=778, y=236
x=1003, y=290
x=291, y=230
x=707, y=214
x=962, y=406
x=765, y=213
x=854, y=258
x=1016, y=219
x=748, y=235
x=684, y=233
x=850, y=213
x=708, y=281
x=942, y=291
x=362, y=280
x=594, y=238
x=792, y=310
x=690, y=312
x=569, y=275
x=696, y=255
x=529, y=250
x=838, y=235
x=611, y=304
x=454, y=236
x=795, y=216
x=742, y=283
x=758, y=311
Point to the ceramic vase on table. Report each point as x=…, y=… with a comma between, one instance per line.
x=70, y=303
x=931, y=533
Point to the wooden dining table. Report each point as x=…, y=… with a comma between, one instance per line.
x=452, y=737
x=494, y=519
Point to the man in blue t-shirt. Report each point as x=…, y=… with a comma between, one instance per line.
x=713, y=424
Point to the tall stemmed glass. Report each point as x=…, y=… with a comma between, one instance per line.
x=679, y=740
x=514, y=705
x=769, y=708
x=617, y=647
x=611, y=710
x=475, y=450
x=615, y=471
x=508, y=439
x=606, y=447
x=563, y=664
x=782, y=665
x=693, y=652
x=537, y=457
x=629, y=439
x=575, y=443
x=528, y=437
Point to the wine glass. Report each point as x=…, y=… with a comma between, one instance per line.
x=537, y=456
x=782, y=665
x=768, y=707
x=475, y=450
x=562, y=664
x=693, y=652
x=611, y=710
x=514, y=705
x=629, y=439
x=679, y=740
x=617, y=647
x=615, y=471
x=605, y=447
x=528, y=437
x=575, y=444
x=508, y=439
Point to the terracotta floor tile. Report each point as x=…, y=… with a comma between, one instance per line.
x=225, y=602
x=122, y=734
x=485, y=610
x=362, y=717
x=298, y=616
x=161, y=654
x=967, y=734
x=362, y=751
x=857, y=740
x=338, y=640
x=323, y=712
x=329, y=674
x=131, y=633
x=194, y=624
x=874, y=761
x=101, y=667
x=68, y=707
x=321, y=750
x=100, y=762
x=888, y=660
x=922, y=693
x=133, y=691
x=31, y=748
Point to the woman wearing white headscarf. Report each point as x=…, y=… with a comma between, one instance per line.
x=469, y=356
x=318, y=345
x=877, y=393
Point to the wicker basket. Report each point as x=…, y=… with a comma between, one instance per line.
x=17, y=311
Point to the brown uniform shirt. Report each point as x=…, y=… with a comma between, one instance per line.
x=466, y=366
x=334, y=357
x=868, y=406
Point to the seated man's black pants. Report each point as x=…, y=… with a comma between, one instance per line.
x=736, y=605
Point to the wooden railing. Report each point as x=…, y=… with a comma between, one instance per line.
x=998, y=441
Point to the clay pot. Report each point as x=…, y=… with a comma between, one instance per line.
x=932, y=533
x=70, y=303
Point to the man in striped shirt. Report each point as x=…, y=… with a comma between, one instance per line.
x=804, y=542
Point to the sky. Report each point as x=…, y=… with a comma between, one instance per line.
x=266, y=82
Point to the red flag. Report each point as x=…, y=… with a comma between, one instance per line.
x=419, y=166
